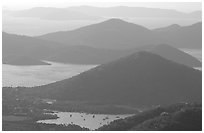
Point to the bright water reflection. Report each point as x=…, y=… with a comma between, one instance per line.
x=39, y=75
x=91, y=121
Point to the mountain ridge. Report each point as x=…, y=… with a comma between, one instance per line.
x=130, y=79
x=119, y=34
x=20, y=46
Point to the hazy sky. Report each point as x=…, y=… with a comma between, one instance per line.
x=25, y=4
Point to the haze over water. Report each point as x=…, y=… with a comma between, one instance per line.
x=39, y=75
x=44, y=74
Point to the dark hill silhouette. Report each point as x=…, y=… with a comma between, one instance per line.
x=142, y=78
x=175, y=117
x=119, y=34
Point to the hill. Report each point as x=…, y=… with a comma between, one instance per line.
x=90, y=55
x=140, y=79
x=119, y=34
x=182, y=36
x=110, y=34
x=168, y=28
x=16, y=48
x=176, y=55
x=176, y=117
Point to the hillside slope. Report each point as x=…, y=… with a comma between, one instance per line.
x=119, y=34
x=142, y=78
x=176, y=117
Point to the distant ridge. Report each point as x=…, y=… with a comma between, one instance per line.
x=119, y=34
x=15, y=46
x=110, y=34
x=51, y=13
x=168, y=28
x=176, y=55
x=138, y=12
x=89, y=12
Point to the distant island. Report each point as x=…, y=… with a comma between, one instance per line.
x=24, y=61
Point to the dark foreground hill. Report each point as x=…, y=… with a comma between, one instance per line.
x=176, y=117
x=142, y=79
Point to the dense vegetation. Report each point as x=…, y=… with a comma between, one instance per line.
x=181, y=117
x=32, y=126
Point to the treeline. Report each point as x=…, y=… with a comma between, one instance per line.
x=32, y=126
x=177, y=117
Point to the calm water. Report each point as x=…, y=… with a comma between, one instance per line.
x=91, y=121
x=44, y=74
x=39, y=75
x=197, y=53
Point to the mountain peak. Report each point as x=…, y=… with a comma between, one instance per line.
x=115, y=20
x=169, y=28
x=174, y=26
x=119, y=24
x=129, y=80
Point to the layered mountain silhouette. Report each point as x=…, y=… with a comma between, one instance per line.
x=172, y=27
x=135, y=12
x=16, y=48
x=50, y=13
x=119, y=34
x=182, y=37
x=176, y=55
x=142, y=78
x=42, y=20
x=111, y=34
x=88, y=12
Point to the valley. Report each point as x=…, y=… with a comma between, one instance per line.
x=100, y=67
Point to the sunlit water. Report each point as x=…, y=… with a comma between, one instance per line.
x=197, y=53
x=91, y=121
x=39, y=75
x=44, y=74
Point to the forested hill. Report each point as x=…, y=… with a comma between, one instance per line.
x=176, y=117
